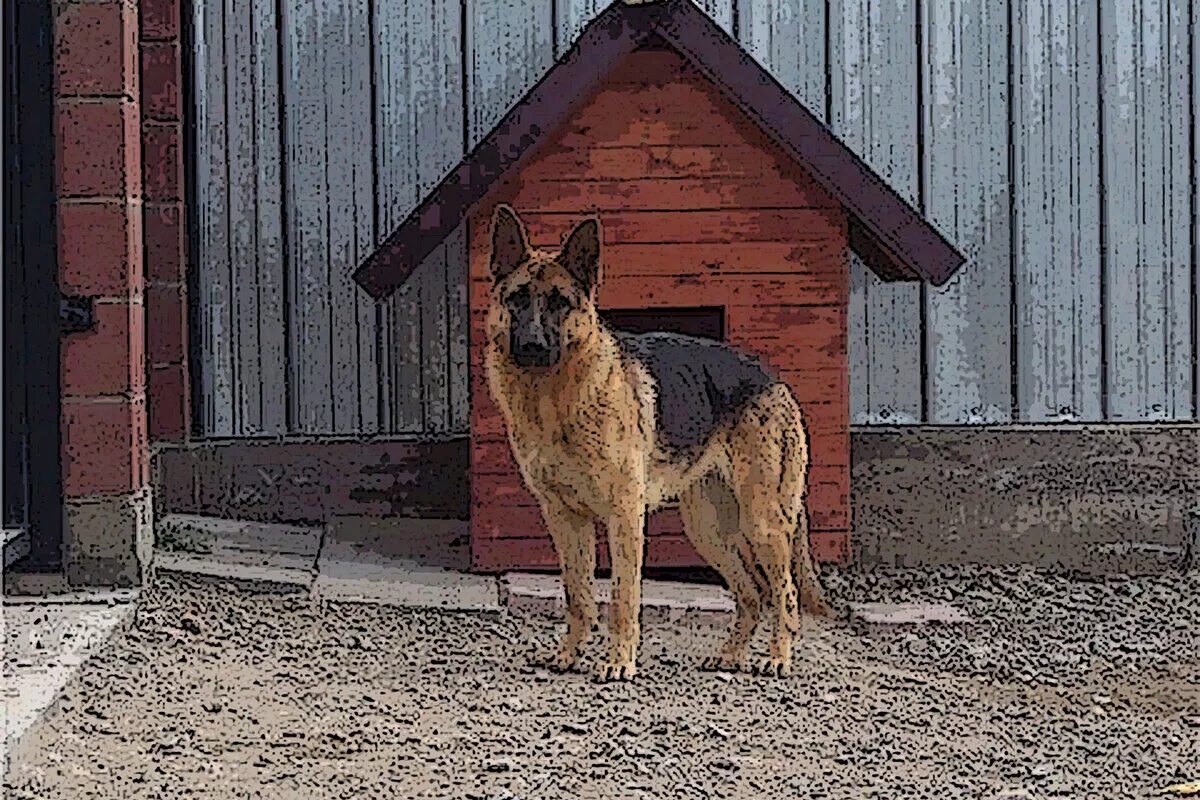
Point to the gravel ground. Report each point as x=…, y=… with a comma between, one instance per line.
x=1058, y=688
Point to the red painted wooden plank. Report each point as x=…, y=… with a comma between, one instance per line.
x=828, y=501
x=678, y=227
x=660, y=194
x=631, y=162
x=634, y=291
x=491, y=451
x=503, y=555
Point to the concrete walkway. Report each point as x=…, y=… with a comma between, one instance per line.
x=399, y=562
x=46, y=640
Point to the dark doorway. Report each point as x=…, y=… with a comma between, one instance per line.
x=705, y=322
x=32, y=482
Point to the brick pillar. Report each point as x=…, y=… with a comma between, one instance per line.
x=168, y=387
x=100, y=229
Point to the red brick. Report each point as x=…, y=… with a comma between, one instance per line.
x=95, y=49
x=163, y=161
x=166, y=324
x=110, y=359
x=105, y=447
x=170, y=403
x=160, y=19
x=97, y=156
x=160, y=80
x=100, y=247
x=165, y=243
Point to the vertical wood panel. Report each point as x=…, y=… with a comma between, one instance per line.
x=571, y=17
x=459, y=322
x=508, y=50
x=1194, y=22
x=349, y=183
x=1057, y=204
x=243, y=256
x=875, y=111
x=419, y=118
x=216, y=342
x=1148, y=270
x=305, y=29
x=721, y=11
x=788, y=38
x=966, y=144
x=269, y=189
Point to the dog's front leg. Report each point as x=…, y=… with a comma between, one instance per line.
x=626, y=532
x=574, y=538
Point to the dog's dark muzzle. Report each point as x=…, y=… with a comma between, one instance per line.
x=534, y=354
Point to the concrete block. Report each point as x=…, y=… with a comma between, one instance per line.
x=907, y=614
x=383, y=561
x=109, y=540
x=662, y=601
x=271, y=572
x=193, y=533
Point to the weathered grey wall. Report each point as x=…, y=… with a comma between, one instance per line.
x=1102, y=498
x=1052, y=141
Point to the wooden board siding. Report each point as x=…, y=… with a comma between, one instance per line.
x=330, y=209
x=755, y=236
x=921, y=89
x=875, y=110
x=1056, y=204
x=788, y=37
x=1148, y=277
x=966, y=100
x=421, y=328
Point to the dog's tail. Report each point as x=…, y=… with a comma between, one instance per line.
x=796, y=473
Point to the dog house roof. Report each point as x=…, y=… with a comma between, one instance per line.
x=887, y=233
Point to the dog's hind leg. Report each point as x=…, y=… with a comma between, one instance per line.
x=768, y=467
x=574, y=538
x=710, y=519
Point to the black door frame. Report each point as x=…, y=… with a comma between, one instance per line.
x=32, y=387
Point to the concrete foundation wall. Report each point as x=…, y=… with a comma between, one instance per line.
x=1097, y=499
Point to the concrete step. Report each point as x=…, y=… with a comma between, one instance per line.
x=399, y=562
x=662, y=601
x=269, y=555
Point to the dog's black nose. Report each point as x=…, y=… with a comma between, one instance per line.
x=527, y=354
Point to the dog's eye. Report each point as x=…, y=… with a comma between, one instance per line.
x=557, y=301
x=519, y=298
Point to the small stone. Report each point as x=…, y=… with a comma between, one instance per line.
x=1043, y=770
x=717, y=731
x=499, y=765
x=190, y=624
x=575, y=728
x=1192, y=721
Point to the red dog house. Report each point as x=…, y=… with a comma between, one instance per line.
x=728, y=210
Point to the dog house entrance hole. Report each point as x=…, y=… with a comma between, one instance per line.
x=704, y=322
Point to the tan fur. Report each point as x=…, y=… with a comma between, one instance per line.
x=583, y=436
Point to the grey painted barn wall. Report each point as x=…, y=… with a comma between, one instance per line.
x=1052, y=141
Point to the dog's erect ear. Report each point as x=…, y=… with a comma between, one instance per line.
x=581, y=253
x=510, y=246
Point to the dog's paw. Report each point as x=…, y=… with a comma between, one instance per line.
x=564, y=661
x=772, y=668
x=613, y=672
x=722, y=663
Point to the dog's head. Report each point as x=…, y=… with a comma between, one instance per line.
x=544, y=303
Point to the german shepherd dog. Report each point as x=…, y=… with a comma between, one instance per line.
x=608, y=426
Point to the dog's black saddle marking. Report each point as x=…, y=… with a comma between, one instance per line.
x=700, y=384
